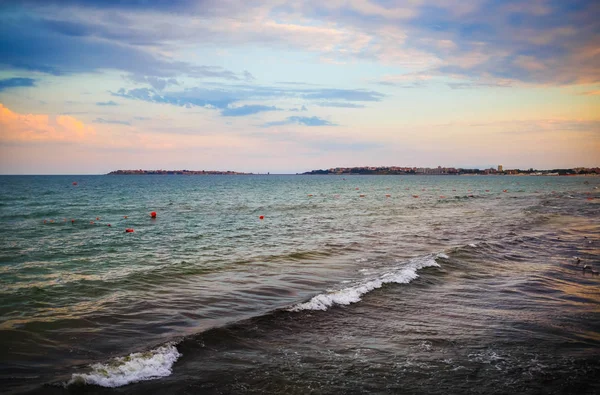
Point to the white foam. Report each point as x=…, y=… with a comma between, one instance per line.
x=345, y=296
x=473, y=245
x=130, y=369
x=442, y=256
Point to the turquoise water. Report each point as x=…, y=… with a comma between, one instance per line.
x=75, y=291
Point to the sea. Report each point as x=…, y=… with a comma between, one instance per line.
x=299, y=284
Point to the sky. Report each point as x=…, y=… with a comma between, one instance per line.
x=87, y=87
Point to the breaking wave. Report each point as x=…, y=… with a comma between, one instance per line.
x=130, y=369
x=403, y=274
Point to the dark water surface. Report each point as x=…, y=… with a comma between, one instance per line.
x=339, y=289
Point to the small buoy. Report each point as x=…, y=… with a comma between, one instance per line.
x=107, y=224
x=590, y=198
x=356, y=189
x=310, y=195
x=361, y=195
x=92, y=222
x=487, y=190
x=153, y=214
x=506, y=190
x=442, y=197
x=72, y=221
x=415, y=196
x=261, y=217
x=97, y=218
x=388, y=195
x=74, y=183
x=125, y=216
x=45, y=221
x=51, y=221
x=129, y=230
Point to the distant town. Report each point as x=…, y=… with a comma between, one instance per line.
x=395, y=170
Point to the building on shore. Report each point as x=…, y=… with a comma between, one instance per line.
x=499, y=168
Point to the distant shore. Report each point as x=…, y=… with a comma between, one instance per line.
x=175, y=172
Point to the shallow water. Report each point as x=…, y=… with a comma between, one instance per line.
x=332, y=292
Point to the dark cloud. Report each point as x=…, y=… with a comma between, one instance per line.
x=58, y=48
x=306, y=121
x=111, y=121
x=107, y=103
x=246, y=110
x=16, y=83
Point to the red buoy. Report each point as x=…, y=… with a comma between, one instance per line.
x=261, y=217
x=97, y=218
x=153, y=214
x=125, y=216
x=74, y=183
x=72, y=221
x=415, y=196
x=129, y=230
x=107, y=224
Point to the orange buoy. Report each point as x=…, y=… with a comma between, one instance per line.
x=590, y=198
x=97, y=218
x=92, y=222
x=129, y=230
x=415, y=196
x=153, y=214
x=506, y=190
x=310, y=195
x=261, y=217
x=361, y=195
x=125, y=216
x=388, y=195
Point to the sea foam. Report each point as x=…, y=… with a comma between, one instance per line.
x=130, y=369
x=403, y=274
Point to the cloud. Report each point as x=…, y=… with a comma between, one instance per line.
x=222, y=96
x=111, y=121
x=16, y=83
x=340, y=105
x=26, y=128
x=344, y=94
x=246, y=110
x=306, y=121
x=58, y=47
x=107, y=103
x=155, y=82
x=590, y=93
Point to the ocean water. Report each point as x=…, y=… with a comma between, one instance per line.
x=349, y=284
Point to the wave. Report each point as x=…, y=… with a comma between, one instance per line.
x=158, y=362
x=130, y=369
x=400, y=275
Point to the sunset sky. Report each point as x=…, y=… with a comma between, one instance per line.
x=289, y=86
